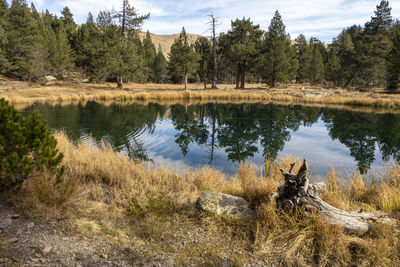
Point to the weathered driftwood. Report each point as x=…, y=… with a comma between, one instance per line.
x=298, y=192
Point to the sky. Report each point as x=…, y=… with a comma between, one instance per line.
x=323, y=19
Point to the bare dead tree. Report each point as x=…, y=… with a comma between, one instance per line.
x=212, y=23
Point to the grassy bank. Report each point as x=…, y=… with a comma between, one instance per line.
x=105, y=193
x=65, y=92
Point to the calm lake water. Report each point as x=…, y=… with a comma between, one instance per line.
x=223, y=135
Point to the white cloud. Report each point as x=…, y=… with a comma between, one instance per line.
x=323, y=19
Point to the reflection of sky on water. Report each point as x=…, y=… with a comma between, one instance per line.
x=312, y=143
x=163, y=150
x=139, y=131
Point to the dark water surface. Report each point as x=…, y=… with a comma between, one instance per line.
x=223, y=135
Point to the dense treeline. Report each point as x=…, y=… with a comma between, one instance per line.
x=34, y=44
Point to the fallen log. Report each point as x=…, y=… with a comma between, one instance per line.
x=298, y=192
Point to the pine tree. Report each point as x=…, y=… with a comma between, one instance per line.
x=26, y=145
x=4, y=65
x=160, y=66
x=63, y=57
x=116, y=59
x=150, y=54
x=182, y=59
x=393, y=66
x=349, y=48
x=242, y=47
x=279, y=60
x=203, y=49
x=69, y=25
x=139, y=74
x=377, y=45
x=370, y=49
x=59, y=52
x=25, y=44
x=317, y=66
x=130, y=23
x=301, y=47
x=333, y=68
x=88, y=45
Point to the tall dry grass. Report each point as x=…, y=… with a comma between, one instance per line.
x=66, y=92
x=104, y=191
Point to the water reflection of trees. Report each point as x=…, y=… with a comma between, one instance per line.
x=361, y=132
x=241, y=130
x=118, y=125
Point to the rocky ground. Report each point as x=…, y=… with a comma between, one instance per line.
x=24, y=242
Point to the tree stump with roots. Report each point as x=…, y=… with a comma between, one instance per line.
x=298, y=192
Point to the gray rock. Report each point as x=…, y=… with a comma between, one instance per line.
x=86, y=81
x=30, y=225
x=314, y=95
x=50, y=78
x=224, y=204
x=5, y=223
x=46, y=249
x=13, y=240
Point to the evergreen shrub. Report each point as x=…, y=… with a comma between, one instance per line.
x=27, y=147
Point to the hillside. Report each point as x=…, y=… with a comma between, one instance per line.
x=166, y=41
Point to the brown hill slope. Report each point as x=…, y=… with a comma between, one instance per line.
x=166, y=41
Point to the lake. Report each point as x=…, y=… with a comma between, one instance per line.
x=224, y=135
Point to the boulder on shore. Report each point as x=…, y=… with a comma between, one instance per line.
x=224, y=204
x=50, y=78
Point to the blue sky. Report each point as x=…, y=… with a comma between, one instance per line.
x=321, y=18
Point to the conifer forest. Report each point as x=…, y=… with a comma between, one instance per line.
x=35, y=43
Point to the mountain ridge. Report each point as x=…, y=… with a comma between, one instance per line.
x=166, y=40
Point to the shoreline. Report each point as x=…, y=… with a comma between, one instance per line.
x=72, y=92
x=111, y=203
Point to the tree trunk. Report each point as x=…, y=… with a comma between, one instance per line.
x=297, y=192
x=186, y=80
x=120, y=83
x=205, y=79
x=213, y=131
x=238, y=77
x=273, y=78
x=352, y=77
x=214, y=82
x=243, y=74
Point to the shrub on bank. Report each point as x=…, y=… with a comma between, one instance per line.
x=26, y=146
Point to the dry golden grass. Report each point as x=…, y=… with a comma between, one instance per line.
x=107, y=193
x=66, y=92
